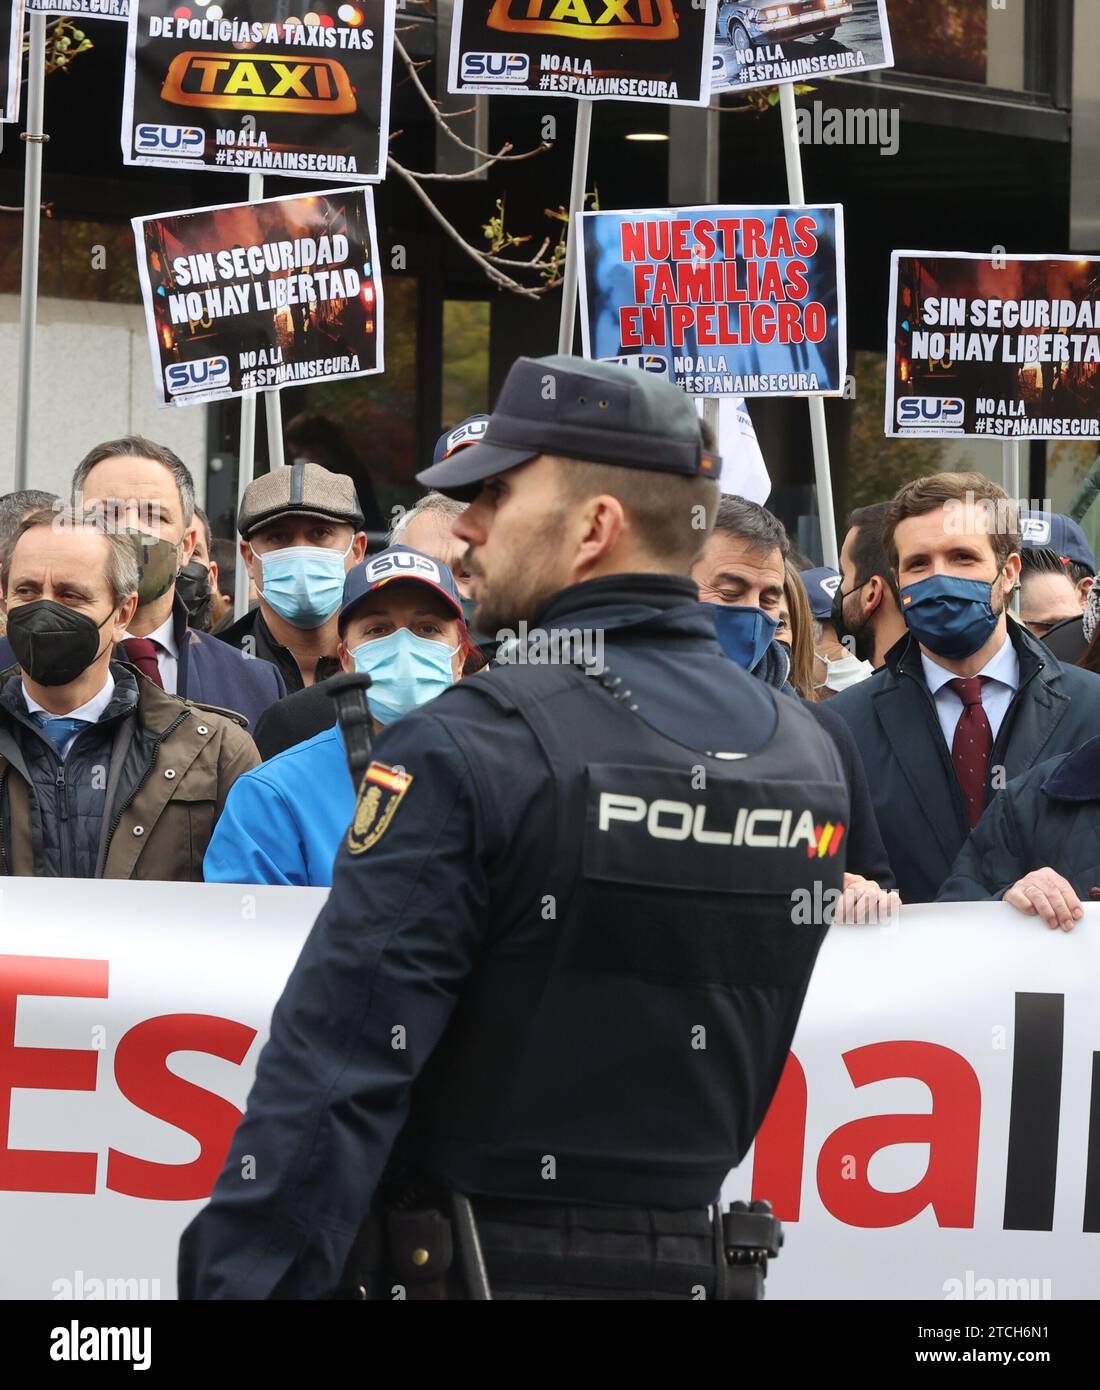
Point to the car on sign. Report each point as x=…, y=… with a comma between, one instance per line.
x=746, y=26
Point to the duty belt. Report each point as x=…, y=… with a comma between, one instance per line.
x=489, y=1247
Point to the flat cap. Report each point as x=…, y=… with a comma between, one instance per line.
x=300, y=489
x=595, y=411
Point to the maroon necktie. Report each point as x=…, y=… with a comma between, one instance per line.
x=972, y=745
x=142, y=653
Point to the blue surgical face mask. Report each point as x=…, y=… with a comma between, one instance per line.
x=406, y=671
x=950, y=616
x=304, y=583
x=744, y=633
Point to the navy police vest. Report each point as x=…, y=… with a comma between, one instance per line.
x=622, y=1043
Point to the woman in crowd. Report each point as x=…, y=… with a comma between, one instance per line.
x=796, y=631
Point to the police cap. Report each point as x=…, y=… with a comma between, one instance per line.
x=595, y=411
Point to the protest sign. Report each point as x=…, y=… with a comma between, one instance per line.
x=993, y=346
x=759, y=45
x=722, y=301
x=930, y=1137
x=633, y=50
x=253, y=296
x=248, y=94
x=86, y=9
x=11, y=52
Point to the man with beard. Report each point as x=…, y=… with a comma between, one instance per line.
x=967, y=699
x=558, y=969
x=865, y=605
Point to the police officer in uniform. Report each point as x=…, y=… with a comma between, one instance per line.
x=556, y=980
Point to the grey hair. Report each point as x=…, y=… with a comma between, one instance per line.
x=121, y=571
x=751, y=523
x=137, y=446
x=14, y=506
x=430, y=502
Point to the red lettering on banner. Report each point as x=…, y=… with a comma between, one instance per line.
x=780, y=1143
x=45, y=1069
x=705, y=244
x=950, y=1130
x=782, y=245
x=643, y=274
x=682, y=239
x=728, y=227
x=798, y=283
x=143, y=1077
x=753, y=242
x=805, y=235
x=683, y=318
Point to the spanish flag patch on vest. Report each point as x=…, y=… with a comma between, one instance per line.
x=379, y=797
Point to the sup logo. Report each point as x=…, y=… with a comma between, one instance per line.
x=274, y=82
x=495, y=67
x=1035, y=529
x=469, y=432
x=207, y=374
x=587, y=19
x=923, y=412
x=401, y=566
x=642, y=361
x=171, y=139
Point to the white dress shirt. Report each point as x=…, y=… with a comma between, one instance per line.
x=168, y=662
x=1003, y=672
x=90, y=711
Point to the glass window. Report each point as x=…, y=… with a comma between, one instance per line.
x=465, y=359
x=78, y=260
x=376, y=415
x=944, y=38
x=877, y=466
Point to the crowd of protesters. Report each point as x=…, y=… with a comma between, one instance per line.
x=145, y=733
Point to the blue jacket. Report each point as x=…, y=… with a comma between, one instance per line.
x=1046, y=819
x=210, y=673
x=283, y=821
x=914, y=788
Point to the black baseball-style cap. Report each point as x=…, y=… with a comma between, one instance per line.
x=595, y=411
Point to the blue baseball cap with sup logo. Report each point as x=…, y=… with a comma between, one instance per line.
x=470, y=431
x=1054, y=531
x=398, y=564
x=820, y=585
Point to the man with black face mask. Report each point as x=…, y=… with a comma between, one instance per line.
x=68, y=712
x=968, y=699
x=865, y=613
x=197, y=581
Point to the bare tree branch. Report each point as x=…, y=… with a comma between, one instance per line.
x=496, y=276
x=439, y=116
x=472, y=173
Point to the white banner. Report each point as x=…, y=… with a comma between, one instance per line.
x=930, y=1139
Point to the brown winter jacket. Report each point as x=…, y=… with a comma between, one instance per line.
x=168, y=765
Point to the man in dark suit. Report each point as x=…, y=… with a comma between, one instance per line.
x=145, y=490
x=968, y=699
